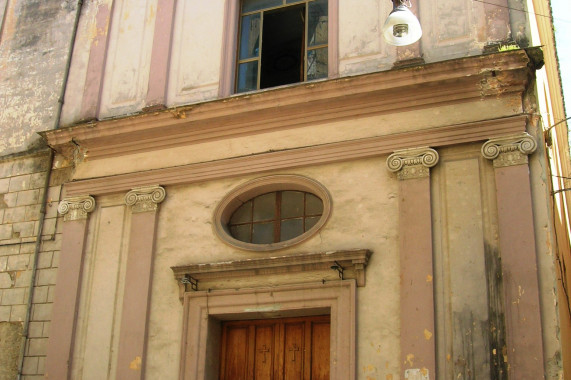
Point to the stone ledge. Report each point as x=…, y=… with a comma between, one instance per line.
x=353, y=263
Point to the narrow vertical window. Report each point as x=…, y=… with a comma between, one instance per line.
x=281, y=42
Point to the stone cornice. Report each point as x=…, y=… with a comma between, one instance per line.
x=296, y=158
x=412, y=163
x=352, y=262
x=509, y=150
x=405, y=89
x=146, y=198
x=76, y=208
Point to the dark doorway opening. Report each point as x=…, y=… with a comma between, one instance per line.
x=283, y=46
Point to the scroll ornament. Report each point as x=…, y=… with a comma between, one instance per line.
x=509, y=151
x=146, y=198
x=76, y=208
x=412, y=163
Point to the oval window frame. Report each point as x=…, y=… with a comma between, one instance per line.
x=245, y=192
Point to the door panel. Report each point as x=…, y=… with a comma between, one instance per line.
x=293, y=351
x=276, y=349
x=236, y=353
x=265, y=350
x=320, y=351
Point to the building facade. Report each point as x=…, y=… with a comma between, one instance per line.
x=267, y=189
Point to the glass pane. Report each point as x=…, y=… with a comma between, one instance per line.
x=243, y=214
x=291, y=228
x=313, y=205
x=254, y=5
x=265, y=207
x=247, y=76
x=317, y=23
x=292, y=204
x=263, y=233
x=250, y=36
x=241, y=233
x=310, y=222
x=293, y=1
x=317, y=64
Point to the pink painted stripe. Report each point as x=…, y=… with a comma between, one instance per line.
x=333, y=39
x=66, y=300
x=229, y=48
x=519, y=269
x=96, y=64
x=418, y=350
x=160, y=58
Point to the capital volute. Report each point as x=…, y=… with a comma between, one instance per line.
x=510, y=150
x=412, y=163
x=145, y=198
x=76, y=208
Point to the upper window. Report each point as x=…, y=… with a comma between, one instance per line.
x=281, y=42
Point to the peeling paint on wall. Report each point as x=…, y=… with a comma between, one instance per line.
x=33, y=50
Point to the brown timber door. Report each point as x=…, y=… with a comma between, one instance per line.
x=275, y=349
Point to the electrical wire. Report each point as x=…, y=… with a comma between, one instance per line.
x=521, y=10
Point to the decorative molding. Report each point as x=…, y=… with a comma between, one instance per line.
x=412, y=163
x=353, y=263
x=199, y=334
x=303, y=104
x=301, y=157
x=145, y=198
x=76, y=208
x=509, y=151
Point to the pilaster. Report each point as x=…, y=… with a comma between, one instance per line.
x=75, y=211
x=418, y=351
x=138, y=281
x=518, y=254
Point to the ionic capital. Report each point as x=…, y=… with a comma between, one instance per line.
x=76, y=208
x=510, y=150
x=412, y=163
x=146, y=198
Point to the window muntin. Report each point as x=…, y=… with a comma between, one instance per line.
x=281, y=42
x=275, y=217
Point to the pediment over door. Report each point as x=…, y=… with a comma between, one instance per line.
x=309, y=267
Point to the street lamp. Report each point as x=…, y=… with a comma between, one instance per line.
x=402, y=27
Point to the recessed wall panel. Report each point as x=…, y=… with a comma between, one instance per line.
x=451, y=29
x=361, y=45
x=197, y=51
x=97, y=334
x=461, y=286
x=128, y=58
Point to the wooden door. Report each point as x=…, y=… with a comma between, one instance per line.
x=276, y=349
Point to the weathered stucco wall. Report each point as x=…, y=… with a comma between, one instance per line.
x=468, y=288
x=35, y=38
x=185, y=236
x=114, y=49
x=34, y=47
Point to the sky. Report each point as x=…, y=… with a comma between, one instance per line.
x=562, y=21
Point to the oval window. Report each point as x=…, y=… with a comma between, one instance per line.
x=272, y=212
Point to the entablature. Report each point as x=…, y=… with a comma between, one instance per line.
x=404, y=89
